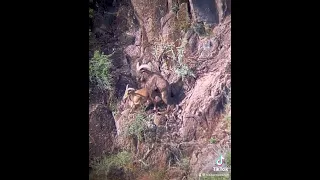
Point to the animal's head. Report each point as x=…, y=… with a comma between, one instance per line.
x=143, y=71
x=128, y=92
x=143, y=68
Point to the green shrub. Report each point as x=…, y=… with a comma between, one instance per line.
x=175, y=8
x=184, y=163
x=199, y=28
x=158, y=174
x=102, y=167
x=90, y=13
x=182, y=70
x=213, y=140
x=99, y=70
x=228, y=158
x=138, y=125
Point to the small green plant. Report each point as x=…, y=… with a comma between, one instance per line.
x=228, y=158
x=208, y=29
x=175, y=8
x=182, y=70
x=99, y=70
x=90, y=13
x=199, y=28
x=102, y=167
x=228, y=122
x=158, y=174
x=184, y=163
x=112, y=102
x=213, y=140
x=227, y=118
x=227, y=115
x=138, y=125
x=185, y=26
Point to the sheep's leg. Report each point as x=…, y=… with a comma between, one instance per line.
x=164, y=96
x=152, y=100
x=155, y=106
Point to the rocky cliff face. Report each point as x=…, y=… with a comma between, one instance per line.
x=189, y=43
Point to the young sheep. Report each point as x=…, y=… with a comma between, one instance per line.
x=140, y=97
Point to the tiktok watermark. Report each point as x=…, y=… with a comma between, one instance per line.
x=220, y=165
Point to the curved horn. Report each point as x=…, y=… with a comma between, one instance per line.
x=126, y=92
x=146, y=66
x=131, y=89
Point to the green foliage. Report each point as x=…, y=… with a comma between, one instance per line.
x=175, y=8
x=184, y=163
x=158, y=174
x=228, y=158
x=227, y=113
x=99, y=70
x=102, y=167
x=138, y=125
x=183, y=22
x=212, y=140
x=182, y=70
x=185, y=26
x=199, y=28
x=90, y=13
x=112, y=102
x=228, y=118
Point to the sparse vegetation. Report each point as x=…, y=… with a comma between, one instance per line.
x=199, y=28
x=112, y=102
x=90, y=13
x=228, y=158
x=99, y=70
x=208, y=29
x=228, y=118
x=181, y=69
x=212, y=140
x=184, y=163
x=175, y=8
x=228, y=122
x=102, y=167
x=227, y=113
x=138, y=125
x=184, y=71
x=158, y=174
x=185, y=25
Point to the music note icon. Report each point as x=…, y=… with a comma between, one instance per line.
x=220, y=161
